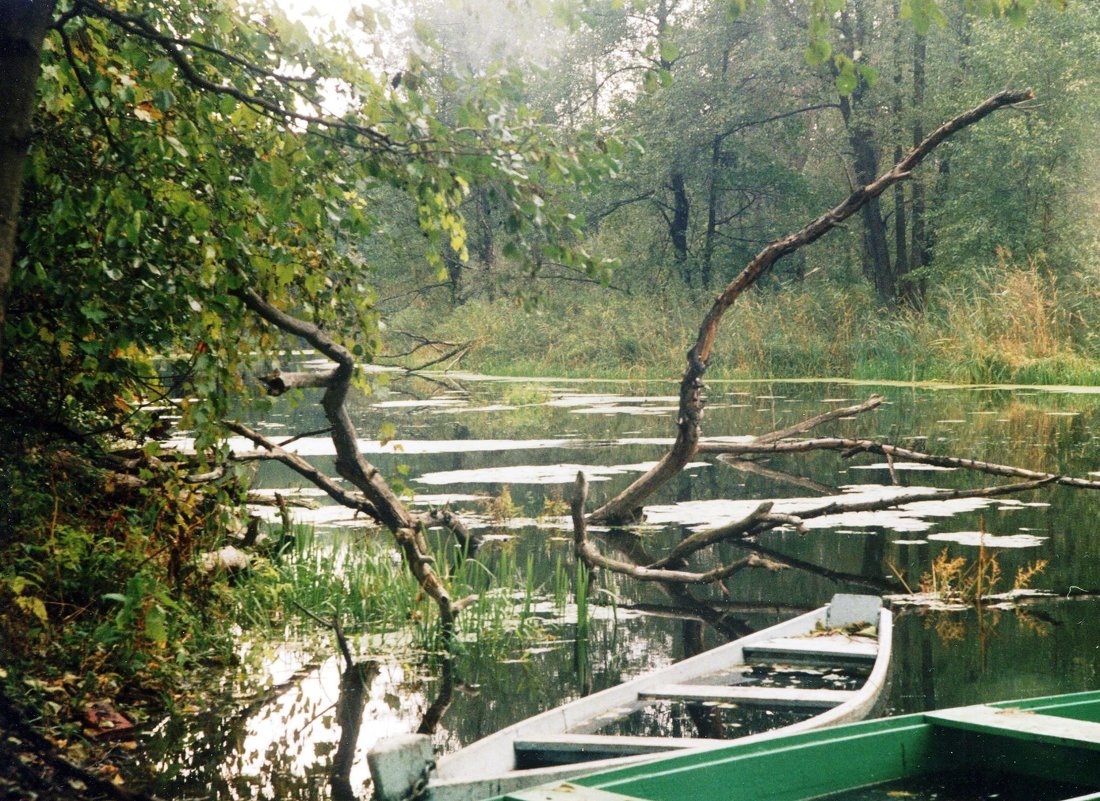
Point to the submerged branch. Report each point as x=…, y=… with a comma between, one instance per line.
x=592, y=557
x=757, y=469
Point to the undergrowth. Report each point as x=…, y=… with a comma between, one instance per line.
x=1013, y=323
x=101, y=597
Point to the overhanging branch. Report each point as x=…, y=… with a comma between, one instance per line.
x=173, y=48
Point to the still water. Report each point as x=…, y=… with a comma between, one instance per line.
x=456, y=440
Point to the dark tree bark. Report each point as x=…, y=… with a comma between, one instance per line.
x=919, y=255
x=877, y=266
x=901, y=231
x=678, y=225
x=711, y=234
x=23, y=26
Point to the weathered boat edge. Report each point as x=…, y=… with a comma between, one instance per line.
x=494, y=779
x=1067, y=726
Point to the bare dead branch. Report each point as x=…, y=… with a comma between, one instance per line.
x=455, y=354
x=872, y=402
x=273, y=452
x=704, y=539
x=591, y=556
x=851, y=447
x=624, y=506
x=259, y=499
x=764, y=519
x=407, y=528
x=449, y=520
x=278, y=383
x=421, y=343
x=839, y=507
x=315, y=433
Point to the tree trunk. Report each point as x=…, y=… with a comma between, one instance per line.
x=901, y=232
x=865, y=157
x=23, y=25
x=874, y=226
x=919, y=255
x=712, y=213
x=678, y=226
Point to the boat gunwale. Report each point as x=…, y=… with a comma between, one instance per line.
x=460, y=785
x=921, y=725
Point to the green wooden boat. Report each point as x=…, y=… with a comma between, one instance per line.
x=1041, y=749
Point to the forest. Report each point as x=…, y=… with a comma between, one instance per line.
x=219, y=215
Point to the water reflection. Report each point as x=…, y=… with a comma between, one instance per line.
x=307, y=736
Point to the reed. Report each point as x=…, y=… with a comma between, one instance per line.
x=1012, y=322
x=580, y=593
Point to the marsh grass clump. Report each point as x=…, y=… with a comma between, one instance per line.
x=1011, y=322
x=500, y=508
x=961, y=580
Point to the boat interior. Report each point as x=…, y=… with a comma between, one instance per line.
x=781, y=682
x=1035, y=750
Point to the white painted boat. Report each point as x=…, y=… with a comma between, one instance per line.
x=566, y=741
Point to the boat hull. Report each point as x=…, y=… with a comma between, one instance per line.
x=490, y=767
x=1054, y=739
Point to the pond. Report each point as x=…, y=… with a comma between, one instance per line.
x=457, y=439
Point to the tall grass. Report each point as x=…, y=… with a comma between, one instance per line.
x=1012, y=323
x=345, y=578
x=362, y=582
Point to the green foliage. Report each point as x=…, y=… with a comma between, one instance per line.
x=923, y=14
x=151, y=200
x=1009, y=323
x=104, y=599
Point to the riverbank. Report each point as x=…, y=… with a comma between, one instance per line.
x=1013, y=325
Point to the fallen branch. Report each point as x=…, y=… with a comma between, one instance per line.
x=379, y=500
x=624, y=506
x=591, y=556
x=273, y=452
x=704, y=539
x=851, y=447
x=278, y=383
x=872, y=402
x=260, y=499
x=764, y=519
x=837, y=507
x=457, y=353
